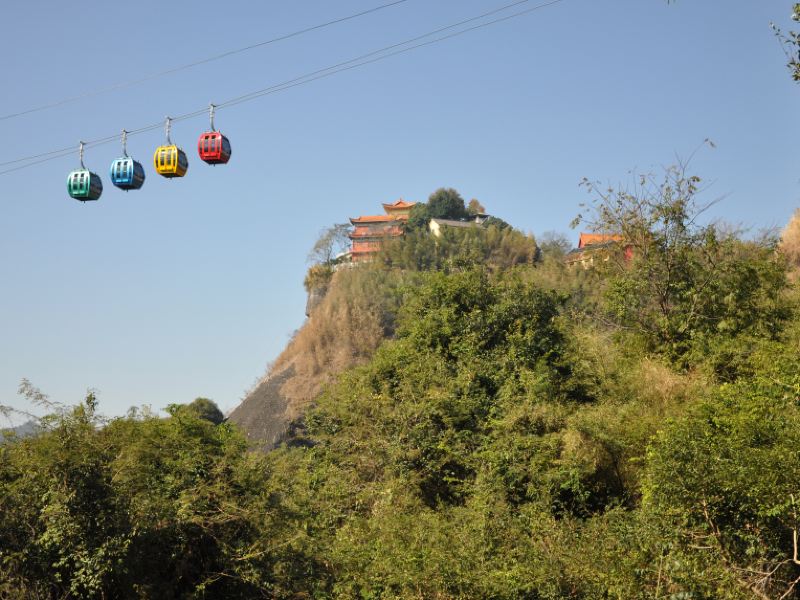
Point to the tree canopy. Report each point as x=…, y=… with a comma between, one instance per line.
x=444, y=203
x=684, y=286
x=206, y=409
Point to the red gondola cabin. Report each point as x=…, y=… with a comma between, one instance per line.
x=214, y=148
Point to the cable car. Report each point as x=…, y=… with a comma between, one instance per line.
x=82, y=184
x=169, y=160
x=126, y=173
x=214, y=148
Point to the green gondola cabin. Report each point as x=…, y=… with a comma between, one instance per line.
x=84, y=185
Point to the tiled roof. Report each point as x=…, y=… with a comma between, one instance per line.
x=591, y=239
x=451, y=223
x=398, y=205
x=374, y=219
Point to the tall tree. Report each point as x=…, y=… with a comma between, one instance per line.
x=475, y=207
x=331, y=242
x=206, y=409
x=446, y=203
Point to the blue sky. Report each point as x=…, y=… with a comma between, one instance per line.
x=190, y=287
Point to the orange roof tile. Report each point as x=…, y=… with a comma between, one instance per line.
x=589, y=239
x=400, y=204
x=374, y=219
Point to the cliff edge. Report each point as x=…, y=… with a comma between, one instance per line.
x=346, y=323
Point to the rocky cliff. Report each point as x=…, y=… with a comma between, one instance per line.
x=347, y=320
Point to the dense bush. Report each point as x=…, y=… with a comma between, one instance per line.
x=140, y=507
x=491, y=246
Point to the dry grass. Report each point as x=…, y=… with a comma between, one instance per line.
x=790, y=243
x=343, y=331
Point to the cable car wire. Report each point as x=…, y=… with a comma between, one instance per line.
x=384, y=54
x=126, y=84
x=360, y=61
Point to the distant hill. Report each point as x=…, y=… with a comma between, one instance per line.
x=28, y=428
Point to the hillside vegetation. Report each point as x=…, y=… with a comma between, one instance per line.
x=352, y=310
x=486, y=424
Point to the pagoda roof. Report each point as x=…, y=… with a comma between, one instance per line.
x=592, y=239
x=399, y=205
x=374, y=219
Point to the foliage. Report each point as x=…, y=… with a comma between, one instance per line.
x=331, y=242
x=791, y=44
x=687, y=286
x=459, y=248
x=357, y=312
x=475, y=207
x=465, y=459
x=444, y=203
x=726, y=477
x=554, y=244
x=318, y=277
x=206, y=409
x=139, y=507
x=790, y=242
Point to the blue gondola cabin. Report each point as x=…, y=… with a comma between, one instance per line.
x=127, y=174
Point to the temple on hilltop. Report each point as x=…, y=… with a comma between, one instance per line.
x=371, y=231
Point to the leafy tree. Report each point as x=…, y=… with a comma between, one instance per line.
x=206, y=409
x=554, y=244
x=475, y=207
x=331, y=242
x=141, y=507
x=725, y=478
x=444, y=203
x=418, y=217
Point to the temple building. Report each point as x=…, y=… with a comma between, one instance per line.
x=597, y=247
x=370, y=232
x=435, y=226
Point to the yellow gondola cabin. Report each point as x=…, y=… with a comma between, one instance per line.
x=170, y=161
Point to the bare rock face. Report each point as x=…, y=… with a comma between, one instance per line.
x=346, y=325
x=265, y=415
x=315, y=296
